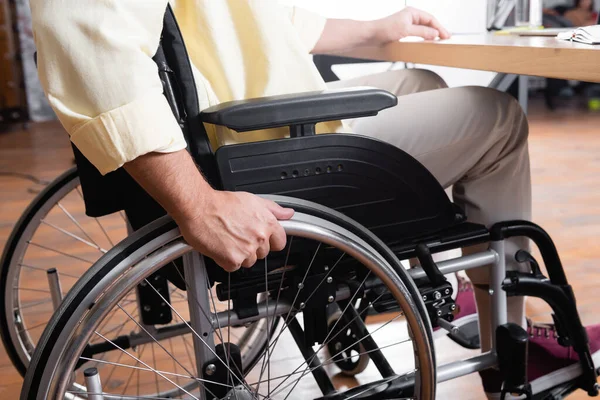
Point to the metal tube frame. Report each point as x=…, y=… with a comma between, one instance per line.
x=494, y=258
x=203, y=339
x=55, y=287
x=195, y=271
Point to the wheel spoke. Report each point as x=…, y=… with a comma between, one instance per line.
x=37, y=303
x=219, y=331
x=308, y=369
x=134, y=369
x=118, y=397
x=174, y=361
x=350, y=303
x=32, y=327
x=331, y=361
x=325, y=277
x=155, y=341
x=60, y=252
x=146, y=365
x=104, y=232
x=45, y=270
x=155, y=375
x=74, y=220
x=74, y=236
x=287, y=317
x=193, y=331
x=385, y=382
x=22, y=289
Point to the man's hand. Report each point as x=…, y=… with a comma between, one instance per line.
x=409, y=22
x=234, y=229
x=341, y=35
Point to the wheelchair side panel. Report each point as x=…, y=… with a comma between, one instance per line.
x=372, y=182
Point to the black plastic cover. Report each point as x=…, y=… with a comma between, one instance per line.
x=370, y=181
x=299, y=108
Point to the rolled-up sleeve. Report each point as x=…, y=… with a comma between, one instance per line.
x=95, y=65
x=308, y=24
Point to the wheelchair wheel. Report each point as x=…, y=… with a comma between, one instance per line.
x=55, y=235
x=324, y=264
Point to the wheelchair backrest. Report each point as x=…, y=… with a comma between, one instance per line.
x=117, y=191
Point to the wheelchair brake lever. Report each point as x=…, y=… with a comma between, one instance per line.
x=523, y=256
x=436, y=278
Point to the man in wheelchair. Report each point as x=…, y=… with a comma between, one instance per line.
x=98, y=65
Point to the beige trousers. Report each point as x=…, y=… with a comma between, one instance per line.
x=471, y=138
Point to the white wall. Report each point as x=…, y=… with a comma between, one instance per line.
x=354, y=9
x=457, y=15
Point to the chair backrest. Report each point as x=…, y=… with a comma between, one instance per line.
x=117, y=190
x=182, y=84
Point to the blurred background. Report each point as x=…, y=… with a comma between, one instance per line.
x=22, y=100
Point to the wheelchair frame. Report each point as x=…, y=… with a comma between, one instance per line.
x=501, y=283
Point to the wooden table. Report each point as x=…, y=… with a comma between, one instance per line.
x=510, y=54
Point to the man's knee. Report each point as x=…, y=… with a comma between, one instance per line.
x=403, y=82
x=428, y=80
x=502, y=112
x=515, y=115
x=419, y=80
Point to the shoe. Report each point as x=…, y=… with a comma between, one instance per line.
x=466, y=319
x=548, y=363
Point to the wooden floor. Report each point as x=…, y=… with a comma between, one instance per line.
x=565, y=156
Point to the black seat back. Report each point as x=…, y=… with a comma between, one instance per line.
x=117, y=190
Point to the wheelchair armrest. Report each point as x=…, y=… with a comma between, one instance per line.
x=299, y=109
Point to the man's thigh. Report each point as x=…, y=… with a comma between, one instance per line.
x=447, y=129
x=399, y=82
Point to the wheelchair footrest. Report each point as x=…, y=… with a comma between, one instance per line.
x=561, y=299
x=467, y=335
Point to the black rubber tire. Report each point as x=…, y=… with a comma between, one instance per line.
x=8, y=253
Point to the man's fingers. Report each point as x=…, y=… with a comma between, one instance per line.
x=263, y=250
x=227, y=266
x=278, y=239
x=250, y=261
x=423, y=31
x=425, y=19
x=279, y=212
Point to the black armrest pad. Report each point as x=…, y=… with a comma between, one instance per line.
x=299, y=108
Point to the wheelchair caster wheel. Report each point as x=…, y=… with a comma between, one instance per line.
x=349, y=356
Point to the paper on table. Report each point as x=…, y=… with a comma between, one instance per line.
x=587, y=34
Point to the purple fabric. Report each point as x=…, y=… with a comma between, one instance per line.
x=546, y=355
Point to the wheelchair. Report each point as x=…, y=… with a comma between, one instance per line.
x=335, y=315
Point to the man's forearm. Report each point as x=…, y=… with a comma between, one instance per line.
x=343, y=34
x=173, y=180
